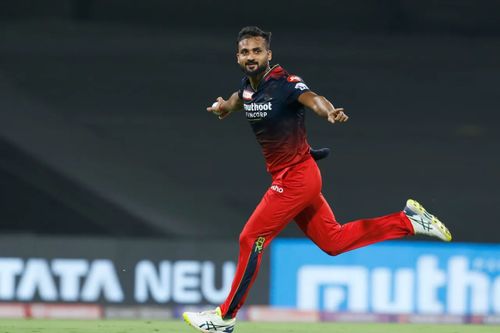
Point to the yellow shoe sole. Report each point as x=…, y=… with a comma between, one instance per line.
x=417, y=207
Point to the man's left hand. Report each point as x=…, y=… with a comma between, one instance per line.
x=337, y=115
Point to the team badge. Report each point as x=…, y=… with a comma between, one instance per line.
x=301, y=86
x=247, y=95
x=294, y=78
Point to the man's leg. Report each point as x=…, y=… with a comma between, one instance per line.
x=292, y=190
x=318, y=222
x=269, y=218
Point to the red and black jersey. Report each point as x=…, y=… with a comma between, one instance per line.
x=277, y=117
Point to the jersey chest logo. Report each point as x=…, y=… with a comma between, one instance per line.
x=257, y=111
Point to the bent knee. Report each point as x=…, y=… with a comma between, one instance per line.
x=332, y=251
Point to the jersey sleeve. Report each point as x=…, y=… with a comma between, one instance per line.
x=294, y=87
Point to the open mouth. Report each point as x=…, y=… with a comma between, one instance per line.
x=252, y=67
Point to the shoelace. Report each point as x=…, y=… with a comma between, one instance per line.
x=426, y=225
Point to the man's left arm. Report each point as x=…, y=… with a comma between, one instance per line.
x=322, y=107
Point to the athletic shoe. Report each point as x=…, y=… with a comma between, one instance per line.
x=425, y=223
x=209, y=321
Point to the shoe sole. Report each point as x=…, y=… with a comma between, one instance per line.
x=186, y=319
x=440, y=227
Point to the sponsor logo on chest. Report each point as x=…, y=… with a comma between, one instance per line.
x=257, y=110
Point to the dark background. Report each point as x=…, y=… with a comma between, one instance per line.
x=103, y=130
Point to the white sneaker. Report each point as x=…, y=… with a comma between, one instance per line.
x=425, y=223
x=209, y=321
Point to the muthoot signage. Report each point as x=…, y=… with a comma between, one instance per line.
x=102, y=280
x=394, y=277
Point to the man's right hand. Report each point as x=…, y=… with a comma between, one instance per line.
x=223, y=108
x=216, y=107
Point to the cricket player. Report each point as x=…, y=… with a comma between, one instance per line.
x=274, y=103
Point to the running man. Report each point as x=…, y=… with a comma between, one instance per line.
x=274, y=103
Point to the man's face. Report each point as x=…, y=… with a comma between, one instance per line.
x=253, y=56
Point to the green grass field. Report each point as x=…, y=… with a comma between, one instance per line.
x=144, y=326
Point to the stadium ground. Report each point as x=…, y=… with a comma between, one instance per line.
x=144, y=326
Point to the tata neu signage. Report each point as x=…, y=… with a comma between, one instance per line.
x=129, y=272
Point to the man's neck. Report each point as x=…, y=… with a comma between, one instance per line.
x=255, y=80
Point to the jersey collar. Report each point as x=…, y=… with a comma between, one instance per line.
x=272, y=73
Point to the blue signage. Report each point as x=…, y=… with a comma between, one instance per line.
x=404, y=277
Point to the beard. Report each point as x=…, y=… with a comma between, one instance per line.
x=257, y=71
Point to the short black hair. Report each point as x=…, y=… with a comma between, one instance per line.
x=252, y=31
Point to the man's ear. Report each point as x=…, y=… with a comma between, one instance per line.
x=270, y=55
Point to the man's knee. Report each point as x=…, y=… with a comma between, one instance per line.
x=250, y=241
x=246, y=240
x=332, y=252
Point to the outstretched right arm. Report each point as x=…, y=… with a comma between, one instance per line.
x=223, y=108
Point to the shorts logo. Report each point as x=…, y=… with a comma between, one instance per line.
x=301, y=86
x=276, y=188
